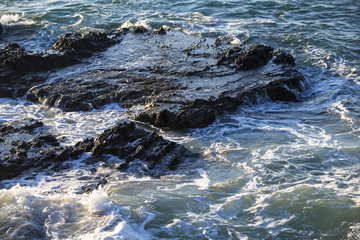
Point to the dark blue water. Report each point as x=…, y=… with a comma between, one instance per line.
x=275, y=170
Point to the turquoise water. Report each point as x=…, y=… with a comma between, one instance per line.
x=275, y=170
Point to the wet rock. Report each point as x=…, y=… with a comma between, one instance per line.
x=1, y=29
x=21, y=69
x=281, y=57
x=131, y=143
x=15, y=58
x=22, y=147
x=178, y=81
x=139, y=29
x=84, y=45
x=25, y=126
x=242, y=59
x=160, y=30
x=256, y=57
x=175, y=81
x=72, y=96
x=91, y=187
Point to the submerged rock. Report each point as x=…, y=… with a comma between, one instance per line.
x=23, y=145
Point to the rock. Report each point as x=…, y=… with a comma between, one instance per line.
x=256, y=57
x=242, y=59
x=21, y=148
x=178, y=81
x=84, y=45
x=13, y=57
x=1, y=29
x=139, y=29
x=175, y=81
x=160, y=30
x=21, y=69
x=281, y=57
x=131, y=143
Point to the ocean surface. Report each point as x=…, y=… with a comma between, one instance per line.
x=274, y=170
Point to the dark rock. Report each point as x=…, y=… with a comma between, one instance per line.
x=256, y=57
x=91, y=187
x=131, y=143
x=183, y=85
x=21, y=69
x=84, y=45
x=139, y=29
x=21, y=148
x=25, y=126
x=281, y=57
x=160, y=30
x=74, y=97
x=181, y=81
x=1, y=29
x=19, y=61
x=243, y=59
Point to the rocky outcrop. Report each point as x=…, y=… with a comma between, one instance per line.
x=179, y=81
x=24, y=145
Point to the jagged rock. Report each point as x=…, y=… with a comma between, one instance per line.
x=243, y=59
x=160, y=30
x=139, y=29
x=13, y=57
x=130, y=143
x=21, y=148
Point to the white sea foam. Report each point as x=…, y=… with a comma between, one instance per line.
x=345, y=115
x=54, y=201
x=81, y=19
x=71, y=126
x=138, y=23
x=10, y=20
x=199, y=18
x=332, y=62
x=202, y=182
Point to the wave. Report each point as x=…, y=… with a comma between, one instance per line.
x=332, y=62
x=11, y=20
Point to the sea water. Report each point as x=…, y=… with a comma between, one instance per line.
x=274, y=170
